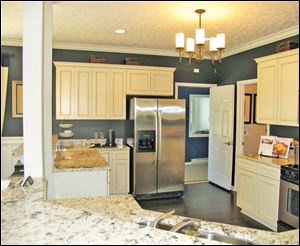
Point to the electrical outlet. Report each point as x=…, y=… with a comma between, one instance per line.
x=196, y=70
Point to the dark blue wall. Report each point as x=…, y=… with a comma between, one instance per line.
x=12, y=126
x=234, y=68
x=195, y=147
x=85, y=128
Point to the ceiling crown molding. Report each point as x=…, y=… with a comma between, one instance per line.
x=293, y=31
x=144, y=51
x=114, y=49
x=100, y=48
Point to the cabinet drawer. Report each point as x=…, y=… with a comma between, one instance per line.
x=120, y=155
x=268, y=171
x=247, y=165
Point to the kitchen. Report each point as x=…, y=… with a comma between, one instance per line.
x=84, y=129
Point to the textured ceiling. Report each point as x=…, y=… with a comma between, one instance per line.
x=153, y=25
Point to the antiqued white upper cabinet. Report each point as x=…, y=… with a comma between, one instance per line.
x=117, y=94
x=91, y=91
x=154, y=81
x=83, y=89
x=138, y=82
x=288, y=90
x=278, y=89
x=162, y=83
x=65, y=92
x=267, y=92
x=100, y=93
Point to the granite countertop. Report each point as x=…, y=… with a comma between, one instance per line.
x=277, y=162
x=79, y=158
x=26, y=218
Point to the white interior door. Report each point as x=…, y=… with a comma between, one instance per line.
x=221, y=125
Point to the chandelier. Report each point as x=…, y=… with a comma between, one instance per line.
x=195, y=49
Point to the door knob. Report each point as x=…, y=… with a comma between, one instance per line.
x=228, y=143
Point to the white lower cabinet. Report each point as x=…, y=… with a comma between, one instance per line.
x=258, y=191
x=246, y=197
x=8, y=161
x=267, y=198
x=119, y=170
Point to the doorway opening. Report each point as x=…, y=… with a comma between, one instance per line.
x=197, y=129
x=248, y=131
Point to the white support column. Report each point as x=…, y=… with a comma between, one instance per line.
x=37, y=89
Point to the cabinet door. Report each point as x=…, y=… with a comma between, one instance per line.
x=288, y=91
x=106, y=155
x=138, y=82
x=64, y=92
x=162, y=83
x=120, y=177
x=83, y=90
x=117, y=94
x=267, y=92
x=246, y=190
x=267, y=198
x=100, y=95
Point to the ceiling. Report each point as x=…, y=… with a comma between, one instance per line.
x=152, y=25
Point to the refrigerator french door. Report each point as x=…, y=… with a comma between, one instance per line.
x=159, y=147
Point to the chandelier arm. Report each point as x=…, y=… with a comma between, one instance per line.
x=191, y=54
x=214, y=53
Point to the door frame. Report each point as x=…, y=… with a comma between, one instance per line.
x=195, y=85
x=239, y=128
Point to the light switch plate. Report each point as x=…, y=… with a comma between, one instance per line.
x=196, y=70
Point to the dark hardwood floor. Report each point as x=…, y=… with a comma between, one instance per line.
x=208, y=202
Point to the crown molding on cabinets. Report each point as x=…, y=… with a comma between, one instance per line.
x=12, y=42
x=289, y=32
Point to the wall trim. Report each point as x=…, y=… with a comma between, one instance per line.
x=100, y=48
x=289, y=32
x=11, y=140
x=196, y=85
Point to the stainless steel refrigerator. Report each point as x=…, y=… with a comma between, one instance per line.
x=159, y=147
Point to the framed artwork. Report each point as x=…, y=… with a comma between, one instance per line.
x=254, y=109
x=247, y=108
x=17, y=99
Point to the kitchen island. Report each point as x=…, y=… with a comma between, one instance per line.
x=81, y=168
x=27, y=218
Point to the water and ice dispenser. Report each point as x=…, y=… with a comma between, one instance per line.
x=146, y=141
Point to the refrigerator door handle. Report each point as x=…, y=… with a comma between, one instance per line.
x=159, y=137
x=156, y=140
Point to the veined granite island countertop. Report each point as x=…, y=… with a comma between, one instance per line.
x=26, y=218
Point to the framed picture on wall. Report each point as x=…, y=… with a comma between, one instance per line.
x=17, y=99
x=247, y=108
x=254, y=108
